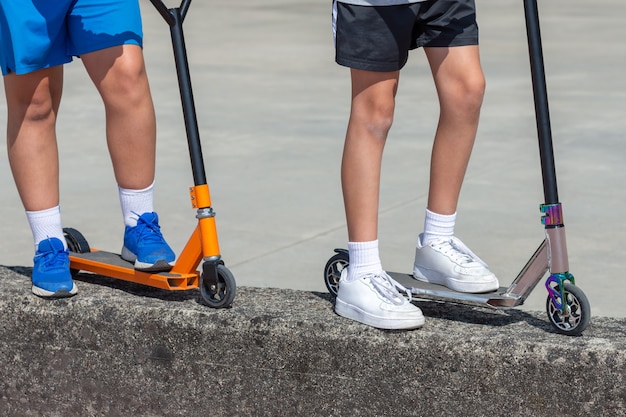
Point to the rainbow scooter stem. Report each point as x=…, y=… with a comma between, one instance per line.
x=553, y=213
x=557, y=255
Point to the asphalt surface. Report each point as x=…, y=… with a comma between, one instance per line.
x=273, y=106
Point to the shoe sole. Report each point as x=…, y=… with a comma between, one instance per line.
x=351, y=312
x=40, y=292
x=159, y=266
x=456, y=285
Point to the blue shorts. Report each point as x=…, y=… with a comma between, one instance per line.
x=37, y=34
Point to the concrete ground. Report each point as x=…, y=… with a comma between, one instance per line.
x=273, y=107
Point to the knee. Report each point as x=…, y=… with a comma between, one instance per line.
x=38, y=109
x=131, y=80
x=469, y=93
x=127, y=83
x=476, y=90
x=381, y=120
x=376, y=118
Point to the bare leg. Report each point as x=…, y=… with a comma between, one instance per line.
x=33, y=102
x=371, y=116
x=362, y=295
x=460, y=86
x=120, y=76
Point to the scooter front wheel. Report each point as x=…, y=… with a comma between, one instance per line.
x=222, y=293
x=576, y=315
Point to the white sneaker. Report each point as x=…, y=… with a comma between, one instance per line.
x=373, y=299
x=447, y=261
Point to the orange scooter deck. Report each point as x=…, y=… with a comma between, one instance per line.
x=112, y=265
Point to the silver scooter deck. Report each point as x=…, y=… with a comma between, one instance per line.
x=501, y=298
x=505, y=297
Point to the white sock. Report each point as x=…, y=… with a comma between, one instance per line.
x=437, y=226
x=46, y=224
x=135, y=203
x=364, y=259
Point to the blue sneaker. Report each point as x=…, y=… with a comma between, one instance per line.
x=144, y=245
x=51, y=274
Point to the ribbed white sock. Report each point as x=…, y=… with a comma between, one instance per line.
x=46, y=224
x=364, y=259
x=437, y=225
x=134, y=203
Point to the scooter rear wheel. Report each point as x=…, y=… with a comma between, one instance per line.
x=76, y=243
x=577, y=313
x=332, y=271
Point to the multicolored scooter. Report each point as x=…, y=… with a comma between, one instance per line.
x=567, y=306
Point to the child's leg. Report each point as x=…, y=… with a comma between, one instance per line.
x=366, y=293
x=375, y=55
x=444, y=259
x=371, y=115
x=460, y=86
x=33, y=102
x=119, y=75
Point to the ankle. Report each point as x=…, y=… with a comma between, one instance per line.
x=437, y=226
x=364, y=259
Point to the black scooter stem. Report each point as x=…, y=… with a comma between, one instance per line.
x=542, y=113
x=174, y=18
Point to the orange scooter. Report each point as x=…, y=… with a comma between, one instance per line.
x=216, y=282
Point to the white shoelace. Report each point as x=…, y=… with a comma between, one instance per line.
x=388, y=288
x=457, y=250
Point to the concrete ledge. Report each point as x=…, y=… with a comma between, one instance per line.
x=119, y=349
